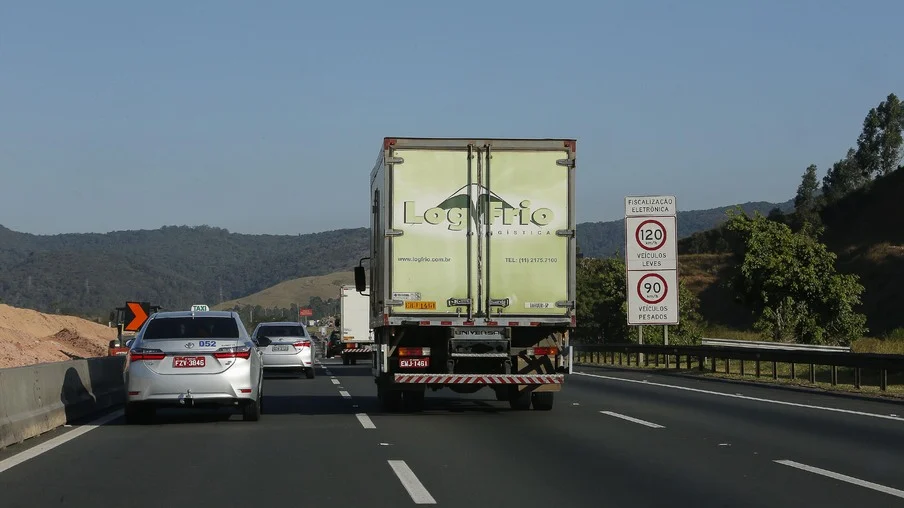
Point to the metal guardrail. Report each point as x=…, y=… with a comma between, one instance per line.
x=762, y=344
x=621, y=354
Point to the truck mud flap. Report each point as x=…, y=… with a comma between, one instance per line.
x=480, y=379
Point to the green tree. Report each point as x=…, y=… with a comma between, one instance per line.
x=806, y=200
x=602, y=308
x=845, y=176
x=880, y=142
x=789, y=281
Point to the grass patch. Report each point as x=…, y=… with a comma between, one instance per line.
x=298, y=291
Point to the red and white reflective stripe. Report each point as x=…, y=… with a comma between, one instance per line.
x=480, y=379
x=359, y=350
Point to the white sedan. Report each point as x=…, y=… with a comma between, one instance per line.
x=285, y=345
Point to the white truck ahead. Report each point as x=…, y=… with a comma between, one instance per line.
x=472, y=268
x=356, y=335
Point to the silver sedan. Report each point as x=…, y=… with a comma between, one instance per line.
x=193, y=359
x=285, y=345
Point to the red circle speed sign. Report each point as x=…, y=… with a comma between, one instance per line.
x=652, y=288
x=650, y=234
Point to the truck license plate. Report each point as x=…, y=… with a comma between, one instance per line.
x=414, y=363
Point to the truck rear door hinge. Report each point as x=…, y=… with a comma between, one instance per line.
x=502, y=302
x=569, y=233
x=566, y=304
x=395, y=160
x=568, y=163
x=394, y=232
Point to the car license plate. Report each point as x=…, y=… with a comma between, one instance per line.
x=414, y=363
x=280, y=348
x=189, y=361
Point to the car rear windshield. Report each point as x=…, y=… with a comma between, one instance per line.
x=192, y=328
x=281, y=331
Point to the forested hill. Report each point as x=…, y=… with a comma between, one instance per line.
x=176, y=266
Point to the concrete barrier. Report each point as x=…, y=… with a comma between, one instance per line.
x=38, y=398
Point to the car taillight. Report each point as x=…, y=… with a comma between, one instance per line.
x=543, y=351
x=302, y=343
x=233, y=352
x=414, y=351
x=138, y=355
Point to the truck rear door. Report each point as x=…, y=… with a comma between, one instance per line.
x=480, y=227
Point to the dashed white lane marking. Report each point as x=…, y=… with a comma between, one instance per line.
x=635, y=420
x=334, y=381
x=345, y=394
x=365, y=420
x=744, y=397
x=50, y=444
x=843, y=478
x=415, y=488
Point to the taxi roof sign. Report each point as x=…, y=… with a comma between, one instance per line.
x=200, y=308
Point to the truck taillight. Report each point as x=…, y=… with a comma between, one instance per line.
x=414, y=351
x=139, y=355
x=544, y=351
x=243, y=352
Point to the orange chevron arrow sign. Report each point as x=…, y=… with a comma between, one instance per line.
x=136, y=315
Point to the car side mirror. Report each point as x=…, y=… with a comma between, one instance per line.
x=360, y=279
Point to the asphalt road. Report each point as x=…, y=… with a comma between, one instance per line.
x=615, y=439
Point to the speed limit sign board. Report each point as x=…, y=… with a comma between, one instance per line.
x=651, y=243
x=651, y=260
x=653, y=297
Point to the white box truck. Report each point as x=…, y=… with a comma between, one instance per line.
x=472, y=268
x=356, y=335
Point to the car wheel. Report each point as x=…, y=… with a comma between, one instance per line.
x=252, y=411
x=309, y=372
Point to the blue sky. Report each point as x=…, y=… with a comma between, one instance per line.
x=265, y=117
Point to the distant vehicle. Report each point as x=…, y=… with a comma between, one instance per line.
x=334, y=345
x=354, y=322
x=193, y=359
x=285, y=345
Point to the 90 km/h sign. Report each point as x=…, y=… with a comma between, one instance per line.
x=652, y=288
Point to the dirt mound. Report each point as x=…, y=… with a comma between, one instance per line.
x=28, y=337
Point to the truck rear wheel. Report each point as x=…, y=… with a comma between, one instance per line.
x=519, y=401
x=390, y=400
x=543, y=401
x=413, y=401
x=344, y=359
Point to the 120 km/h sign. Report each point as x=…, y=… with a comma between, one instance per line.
x=651, y=243
x=653, y=297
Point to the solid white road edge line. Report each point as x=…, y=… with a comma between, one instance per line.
x=50, y=444
x=635, y=420
x=745, y=397
x=843, y=477
x=365, y=420
x=345, y=394
x=415, y=488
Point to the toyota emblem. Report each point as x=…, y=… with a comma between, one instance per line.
x=189, y=345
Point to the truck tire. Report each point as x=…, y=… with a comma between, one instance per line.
x=519, y=401
x=413, y=402
x=344, y=359
x=354, y=360
x=501, y=395
x=543, y=401
x=390, y=400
